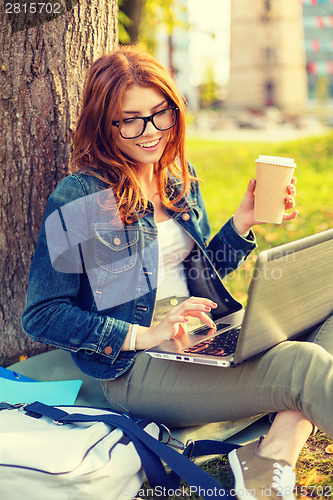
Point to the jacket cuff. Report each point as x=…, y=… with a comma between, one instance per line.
x=113, y=336
x=236, y=241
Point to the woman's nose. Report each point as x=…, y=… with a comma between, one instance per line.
x=150, y=128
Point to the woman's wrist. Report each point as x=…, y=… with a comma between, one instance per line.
x=137, y=338
x=146, y=338
x=241, y=227
x=132, y=340
x=141, y=338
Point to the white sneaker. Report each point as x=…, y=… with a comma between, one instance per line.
x=258, y=477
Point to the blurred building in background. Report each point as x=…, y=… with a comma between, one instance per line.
x=318, y=33
x=267, y=57
x=172, y=49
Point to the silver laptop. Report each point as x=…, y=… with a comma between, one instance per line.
x=290, y=293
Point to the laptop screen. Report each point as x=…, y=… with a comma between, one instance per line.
x=291, y=291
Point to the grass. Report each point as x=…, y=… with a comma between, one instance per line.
x=226, y=168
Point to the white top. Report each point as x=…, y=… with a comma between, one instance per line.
x=174, y=246
x=276, y=160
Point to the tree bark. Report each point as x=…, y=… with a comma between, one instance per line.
x=42, y=73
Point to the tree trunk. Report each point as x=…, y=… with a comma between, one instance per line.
x=43, y=69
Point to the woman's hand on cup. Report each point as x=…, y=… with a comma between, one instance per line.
x=290, y=200
x=244, y=216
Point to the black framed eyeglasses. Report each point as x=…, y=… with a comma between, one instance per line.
x=131, y=128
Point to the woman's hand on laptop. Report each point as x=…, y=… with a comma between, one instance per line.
x=174, y=324
x=244, y=219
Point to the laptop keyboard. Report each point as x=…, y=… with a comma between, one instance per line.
x=220, y=345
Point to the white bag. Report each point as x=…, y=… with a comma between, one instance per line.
x=40, y=459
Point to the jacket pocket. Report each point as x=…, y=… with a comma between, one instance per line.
x=116, y=249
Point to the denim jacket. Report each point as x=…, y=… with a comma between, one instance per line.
x=92, y=276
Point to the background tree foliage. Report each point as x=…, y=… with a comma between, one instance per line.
x=208, y=90
x=140, y=20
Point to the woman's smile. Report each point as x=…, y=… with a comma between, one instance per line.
x=151, y=145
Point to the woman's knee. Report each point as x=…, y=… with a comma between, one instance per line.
x=309, y=361
x=294, y=373
x=298, y=351
x=295, y=363
x=323, y=335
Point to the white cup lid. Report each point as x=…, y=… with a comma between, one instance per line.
x=276, y=160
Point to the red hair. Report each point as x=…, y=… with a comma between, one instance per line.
x=94, y=150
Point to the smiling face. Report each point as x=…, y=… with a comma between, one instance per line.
x=147, y=148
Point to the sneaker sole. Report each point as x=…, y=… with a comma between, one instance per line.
x=240, y=488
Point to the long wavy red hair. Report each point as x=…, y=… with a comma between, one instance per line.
x=94, y=150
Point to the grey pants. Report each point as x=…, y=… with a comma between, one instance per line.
x=294, y=375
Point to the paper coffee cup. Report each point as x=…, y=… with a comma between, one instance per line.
x=273, y=174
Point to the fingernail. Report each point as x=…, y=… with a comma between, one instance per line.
x=214, y=304
x=207, y=308
x=213, y=326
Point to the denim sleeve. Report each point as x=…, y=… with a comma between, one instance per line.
x=204, y=221
x=53, y=313
x=227, y=249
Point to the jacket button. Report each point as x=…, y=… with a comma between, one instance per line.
x=108, y=349
x=186, y=217
x=117, y=241
x=174, y=302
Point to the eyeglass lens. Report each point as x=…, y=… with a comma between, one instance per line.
x=134, y=127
